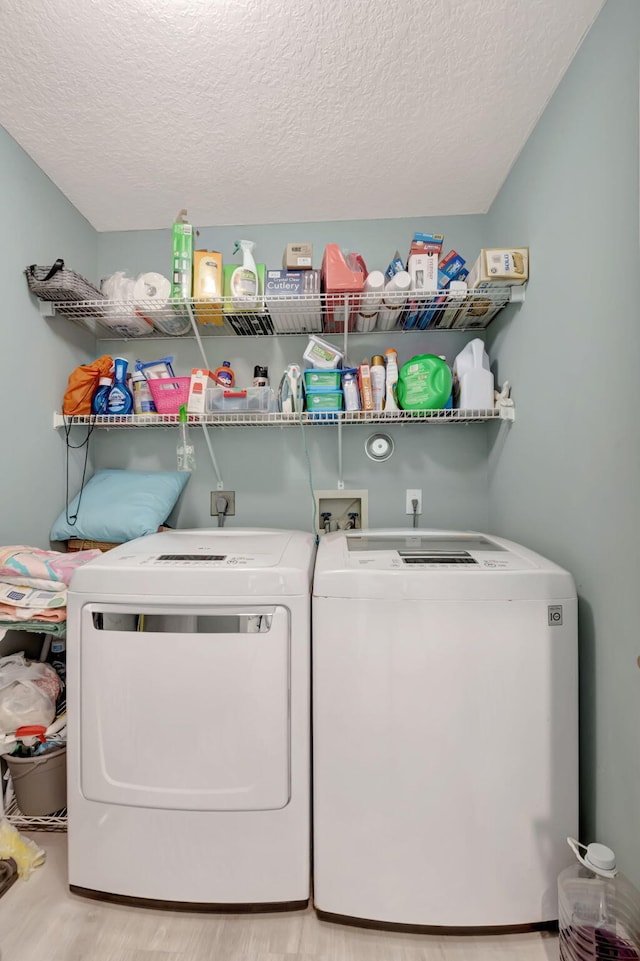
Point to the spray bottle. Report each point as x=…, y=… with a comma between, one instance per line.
x=185, y=449
x=244, y=280
x=391, y=359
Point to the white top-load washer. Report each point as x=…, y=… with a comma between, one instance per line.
x=188, y=704
x=445, y=720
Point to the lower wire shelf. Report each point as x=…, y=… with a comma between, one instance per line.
x=24, y=822
x=278, y=419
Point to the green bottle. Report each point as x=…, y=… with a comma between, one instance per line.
x=424, y=383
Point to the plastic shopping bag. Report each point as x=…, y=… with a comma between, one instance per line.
x=28, y=693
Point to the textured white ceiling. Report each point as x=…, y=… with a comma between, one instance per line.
x=272, y=111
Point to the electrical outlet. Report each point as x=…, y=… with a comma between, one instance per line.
x=231, y=501
x=413, y=495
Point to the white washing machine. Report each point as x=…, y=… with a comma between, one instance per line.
x=189, y=716
x=445, y=729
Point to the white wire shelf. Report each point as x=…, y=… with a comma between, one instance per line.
x=277, y=419
x=282, y=315
x=24, y=822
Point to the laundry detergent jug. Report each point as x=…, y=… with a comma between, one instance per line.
x=424, y=383
x=472, y=378
x=598, y=908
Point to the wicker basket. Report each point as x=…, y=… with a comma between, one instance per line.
x=57, y=283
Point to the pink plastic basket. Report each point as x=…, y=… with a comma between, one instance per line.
x=169, y=393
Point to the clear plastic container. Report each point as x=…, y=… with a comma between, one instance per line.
x=220, y=400
x=598, y=909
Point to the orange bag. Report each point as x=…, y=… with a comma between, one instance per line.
x=83, y=382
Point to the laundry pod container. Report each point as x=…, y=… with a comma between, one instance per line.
x=40, y=783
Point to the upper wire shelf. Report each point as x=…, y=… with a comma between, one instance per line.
x=282, y=315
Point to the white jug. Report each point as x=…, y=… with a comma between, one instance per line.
x=598, y=908
x=472, y=378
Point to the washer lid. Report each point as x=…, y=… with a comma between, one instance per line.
x=203, y=562
x=433, y=564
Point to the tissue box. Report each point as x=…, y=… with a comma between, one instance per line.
x=298, y=257
x=500, y=267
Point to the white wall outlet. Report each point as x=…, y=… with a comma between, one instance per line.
x=413, y=495
x=339, y=504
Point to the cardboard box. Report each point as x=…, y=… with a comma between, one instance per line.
x=497, y=266
x=182, y=252
x=298, y=257
x=366, y=390
x=449, y=268
x=200, y=381
x=423, y=269
x=286, y=315
x=207, y=284
x=426, y=244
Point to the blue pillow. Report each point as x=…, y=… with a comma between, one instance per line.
x=118, y=505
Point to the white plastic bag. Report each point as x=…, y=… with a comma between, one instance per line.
x=28, y=693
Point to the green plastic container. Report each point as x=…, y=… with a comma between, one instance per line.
x=325, y=401
x=424, y=383
x=322, y=379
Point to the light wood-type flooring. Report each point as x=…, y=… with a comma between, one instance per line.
x=41, y=921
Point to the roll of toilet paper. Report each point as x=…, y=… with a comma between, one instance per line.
x=152, y=287
x=152, y=294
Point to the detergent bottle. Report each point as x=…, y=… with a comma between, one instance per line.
x=472, y=378
x=598, y=908
x=120, y=398
x=100, y=400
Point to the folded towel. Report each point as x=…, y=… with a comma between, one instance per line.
x=28, y=597
x=40, y=627
x=19, y=614
x=33, y=566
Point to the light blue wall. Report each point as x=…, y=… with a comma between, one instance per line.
x=567, y=480
x=39, y=225
x=267, y=467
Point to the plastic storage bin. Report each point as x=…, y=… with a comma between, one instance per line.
x=321, y=380
x=598, y=909
x=169, y=393
x=40, y=783
x=325, y=401
x=229, y=400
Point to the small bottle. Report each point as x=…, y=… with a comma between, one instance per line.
x=185, y=450
x=260, y=376
x=120, y=399
x=350, y=390
x=100, y=398
x=224, y=375
x=391, y=400
x=142, y=398
x=378, y=381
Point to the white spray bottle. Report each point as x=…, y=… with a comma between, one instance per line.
x=244, y=280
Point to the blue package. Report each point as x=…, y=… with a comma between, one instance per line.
x=394, y=267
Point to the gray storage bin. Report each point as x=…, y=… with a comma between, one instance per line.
x=40, y=783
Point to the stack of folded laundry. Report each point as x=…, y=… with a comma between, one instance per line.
x=33, y=588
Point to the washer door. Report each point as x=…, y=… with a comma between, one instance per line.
x=185, y=711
